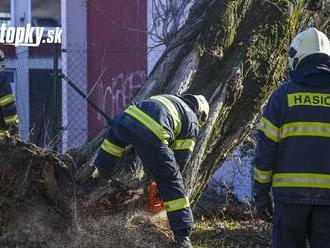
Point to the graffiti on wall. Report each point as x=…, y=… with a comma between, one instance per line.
x=121, y=90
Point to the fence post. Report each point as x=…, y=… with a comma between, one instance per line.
x=56, y=99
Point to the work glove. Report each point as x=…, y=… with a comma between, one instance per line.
x=264, y=207
x=100, y=177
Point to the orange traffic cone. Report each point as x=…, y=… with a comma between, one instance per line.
x=155, y=203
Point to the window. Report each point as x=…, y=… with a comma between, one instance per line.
x=42, y=117
x=5, y=15
x=46, y=13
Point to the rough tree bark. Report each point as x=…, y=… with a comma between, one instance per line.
x=232, y=51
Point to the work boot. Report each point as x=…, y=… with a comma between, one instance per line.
x=182, y=242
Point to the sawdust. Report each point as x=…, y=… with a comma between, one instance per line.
x=131, y=229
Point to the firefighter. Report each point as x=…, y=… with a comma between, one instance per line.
x=293, y=148
x=8, y=113
x=162, y=130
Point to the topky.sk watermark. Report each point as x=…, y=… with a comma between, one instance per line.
x=29, y=36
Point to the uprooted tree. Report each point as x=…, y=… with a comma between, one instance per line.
x=232, y=51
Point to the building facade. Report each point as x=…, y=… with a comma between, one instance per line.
x=103, y=50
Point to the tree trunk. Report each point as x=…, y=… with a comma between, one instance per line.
x=232, y=51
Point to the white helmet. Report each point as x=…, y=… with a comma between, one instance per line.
x=308, y=42
x=202, y=107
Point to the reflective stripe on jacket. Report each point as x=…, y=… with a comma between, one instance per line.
x=293, y=141
x=167, y=117
x=8, y=112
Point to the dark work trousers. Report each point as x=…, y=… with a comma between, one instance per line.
x=294, y=224
x=158, y=160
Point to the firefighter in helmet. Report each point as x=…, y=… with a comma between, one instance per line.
x=293, y=148
x=162, y=130
x=8, y=113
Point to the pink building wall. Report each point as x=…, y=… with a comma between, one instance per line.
x=117, y=55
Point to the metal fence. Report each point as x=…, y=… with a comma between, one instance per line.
x=61, y=104
x=52, y=97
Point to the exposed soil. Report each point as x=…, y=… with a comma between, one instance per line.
x=41, y=206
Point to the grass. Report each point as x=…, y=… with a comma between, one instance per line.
x=218, y=233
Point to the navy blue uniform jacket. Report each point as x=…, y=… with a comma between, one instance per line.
x=293, y=151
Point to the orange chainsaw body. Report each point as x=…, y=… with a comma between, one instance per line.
x=155, y=203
